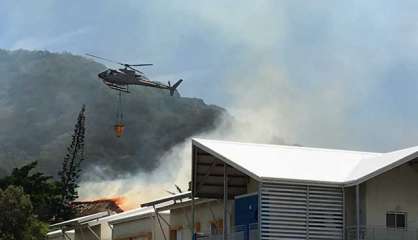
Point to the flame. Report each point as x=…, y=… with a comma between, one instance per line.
x=121, y=201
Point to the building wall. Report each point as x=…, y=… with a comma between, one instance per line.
x=137, y=228
x=84, y=233
x=105, y=232
x=205, y=214
x=157, y=229
x=145, y=228
x=395, y=190
x=55, y=237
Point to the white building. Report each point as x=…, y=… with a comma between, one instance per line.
x=82, y=229
x=135, y=224
x=310, y=193
x=208, y=215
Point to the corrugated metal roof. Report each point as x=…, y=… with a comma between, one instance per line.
x=174, y=197
x=80, y=220
x=59, y=233
x=123, y=215
x=280, y=162
x=137, y=213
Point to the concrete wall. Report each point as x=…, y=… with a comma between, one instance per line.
x=102, y=230
x=145, y=228
x=396, y=190
x=105, y=232
x=205, y=213
x=83, y=233
x=137, y=228
x=157, y=229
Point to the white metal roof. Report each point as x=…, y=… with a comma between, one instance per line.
x=81, y=220
x=59, y=233
x=169, y=198
x=137, y=213
x=279, y=162
x=126, y=214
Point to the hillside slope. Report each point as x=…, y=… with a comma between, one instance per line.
x=40, y=98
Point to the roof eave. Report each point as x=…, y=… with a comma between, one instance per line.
x=196, y=143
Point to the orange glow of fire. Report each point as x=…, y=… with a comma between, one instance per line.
x=118, y=200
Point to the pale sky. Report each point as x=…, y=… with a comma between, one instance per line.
x=337, y=74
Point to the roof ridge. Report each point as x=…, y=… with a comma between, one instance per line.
x=291, y=146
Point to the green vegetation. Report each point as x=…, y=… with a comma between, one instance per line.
x=17, y=220
x=71, y=169
x=29, y=199
x=43, y=191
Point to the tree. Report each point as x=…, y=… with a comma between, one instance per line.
x=71, y=170
x=17, y=221
x=52, y=200
x=43, y=190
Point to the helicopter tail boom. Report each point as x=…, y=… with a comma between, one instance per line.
x=174, y=87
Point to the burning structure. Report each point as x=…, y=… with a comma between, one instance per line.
x=84, y=208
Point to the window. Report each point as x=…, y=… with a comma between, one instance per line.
x=396, y=220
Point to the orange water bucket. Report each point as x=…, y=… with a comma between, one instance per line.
x=119, y=128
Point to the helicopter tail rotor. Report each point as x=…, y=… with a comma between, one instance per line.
x=174, y=87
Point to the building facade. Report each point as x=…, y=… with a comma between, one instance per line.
x=308, y=193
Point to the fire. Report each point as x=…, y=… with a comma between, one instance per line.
x=120, y=201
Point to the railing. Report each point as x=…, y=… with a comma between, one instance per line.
x=242, y=232
x=381, y=233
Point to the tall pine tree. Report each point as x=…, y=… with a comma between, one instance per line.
x=71, y=170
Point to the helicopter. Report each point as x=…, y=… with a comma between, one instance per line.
x=128, y=75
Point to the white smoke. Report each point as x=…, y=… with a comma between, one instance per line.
x=255, y=122
x=317, y=75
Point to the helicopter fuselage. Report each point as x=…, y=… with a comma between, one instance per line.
x=120, y=79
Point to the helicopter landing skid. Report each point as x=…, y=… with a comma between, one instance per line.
x=118, y=87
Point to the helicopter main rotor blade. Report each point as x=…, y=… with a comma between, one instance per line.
x=136, y=70
x=130, y=66
x=141, y=65
x=106, y=59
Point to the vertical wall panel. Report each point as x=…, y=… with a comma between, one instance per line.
x=300, y=212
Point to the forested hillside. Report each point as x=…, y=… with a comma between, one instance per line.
x=41, y=94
